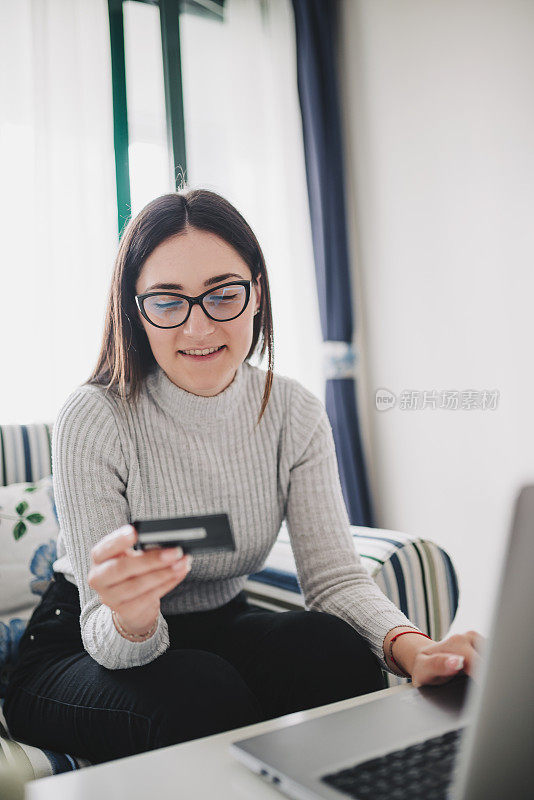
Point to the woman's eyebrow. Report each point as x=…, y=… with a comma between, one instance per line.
x=209, y=282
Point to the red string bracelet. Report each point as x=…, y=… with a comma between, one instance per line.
x=391, y=648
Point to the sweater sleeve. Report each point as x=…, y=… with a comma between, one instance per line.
x=330, y=571
x=90, y=476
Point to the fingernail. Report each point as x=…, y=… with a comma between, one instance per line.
x=171, y=554
x=455, y=662
x=189, y=560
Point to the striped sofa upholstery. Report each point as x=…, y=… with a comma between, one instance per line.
x=416, y=574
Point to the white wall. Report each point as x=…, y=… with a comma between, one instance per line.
x=438, y=105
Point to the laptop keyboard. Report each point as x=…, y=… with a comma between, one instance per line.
x=423, y=770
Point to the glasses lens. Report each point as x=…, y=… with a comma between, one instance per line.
x=226, y=302
x=166, y=310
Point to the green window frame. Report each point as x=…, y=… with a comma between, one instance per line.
x=170, y=11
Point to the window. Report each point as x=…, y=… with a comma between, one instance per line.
x=214, y=99
x=150, y=168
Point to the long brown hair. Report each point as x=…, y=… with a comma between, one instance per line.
x=126, y=357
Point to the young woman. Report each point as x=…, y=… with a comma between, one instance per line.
x=130, y=651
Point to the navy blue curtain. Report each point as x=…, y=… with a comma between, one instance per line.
x=316, y=35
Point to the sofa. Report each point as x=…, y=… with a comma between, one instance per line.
x=416, y=574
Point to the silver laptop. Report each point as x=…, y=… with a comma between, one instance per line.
x=468, y=739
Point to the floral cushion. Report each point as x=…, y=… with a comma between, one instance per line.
x=28, y=534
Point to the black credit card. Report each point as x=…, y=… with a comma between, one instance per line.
x=208, y=533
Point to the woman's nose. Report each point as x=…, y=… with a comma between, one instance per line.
x=198, y=322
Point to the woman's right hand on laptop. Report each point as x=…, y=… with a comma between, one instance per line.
x=132, y=582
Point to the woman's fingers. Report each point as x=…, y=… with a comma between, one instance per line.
x=139, y=562
x=445, y=665
x=462, y=644
x=436, y=668
x=114, y=544
x=136, y=586
x=440, y=662
x=114, y=570
x=478, y=642
x=151, y=591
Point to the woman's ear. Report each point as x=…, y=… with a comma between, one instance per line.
x=257, y=293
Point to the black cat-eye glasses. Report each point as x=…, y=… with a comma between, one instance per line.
x=170, y=309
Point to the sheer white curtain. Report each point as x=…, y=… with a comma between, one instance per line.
x=244, y=140
x=58, y=215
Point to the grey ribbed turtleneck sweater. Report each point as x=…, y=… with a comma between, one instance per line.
x=176, y=453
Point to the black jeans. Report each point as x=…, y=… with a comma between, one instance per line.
x=225, y=668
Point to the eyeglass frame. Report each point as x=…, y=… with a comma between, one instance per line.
x=140, y=299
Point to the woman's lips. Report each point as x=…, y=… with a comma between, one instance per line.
x=209, y=357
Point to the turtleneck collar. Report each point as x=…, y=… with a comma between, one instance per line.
x=195, y=409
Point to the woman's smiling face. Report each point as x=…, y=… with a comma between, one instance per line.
x=188, y=260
